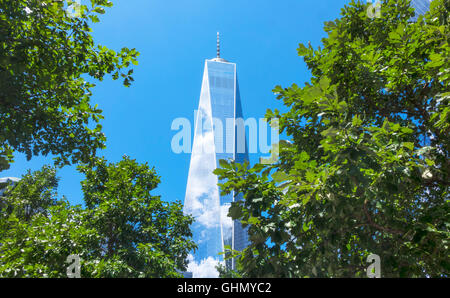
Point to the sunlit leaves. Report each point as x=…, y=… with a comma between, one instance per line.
x=125, y=231
x=368, y=170
x=48, y=64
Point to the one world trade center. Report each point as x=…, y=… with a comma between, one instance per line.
x=216, y=136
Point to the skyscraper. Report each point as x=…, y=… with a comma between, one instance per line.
x=216, y=137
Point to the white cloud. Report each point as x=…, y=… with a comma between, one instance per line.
x=227, y=222
x=209, y=217
x=202, y=193
x=206, y=268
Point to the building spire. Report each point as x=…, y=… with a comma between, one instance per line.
x=218, y=59
x=218, y=45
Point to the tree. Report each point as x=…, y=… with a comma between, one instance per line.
x=367, y=167
x=124, y=231
x=34, y=194
x=38, y=231
x=48, y=63
x=151, y=235
x=226, y=272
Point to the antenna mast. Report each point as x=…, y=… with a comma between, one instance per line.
x=218, y=45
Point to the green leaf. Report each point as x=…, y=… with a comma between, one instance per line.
x=279, y=177
x=409, y=145
x=235, y=211
x=224, y=164
x=302, y=50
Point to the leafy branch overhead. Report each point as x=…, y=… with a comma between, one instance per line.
x=48, y=65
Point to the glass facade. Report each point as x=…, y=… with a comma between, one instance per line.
x=214, y=139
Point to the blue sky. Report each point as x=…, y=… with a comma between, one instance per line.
x=174, y=38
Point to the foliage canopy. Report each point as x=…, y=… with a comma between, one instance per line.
x=367, y=168
x=48, y=65
x=124, y=231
